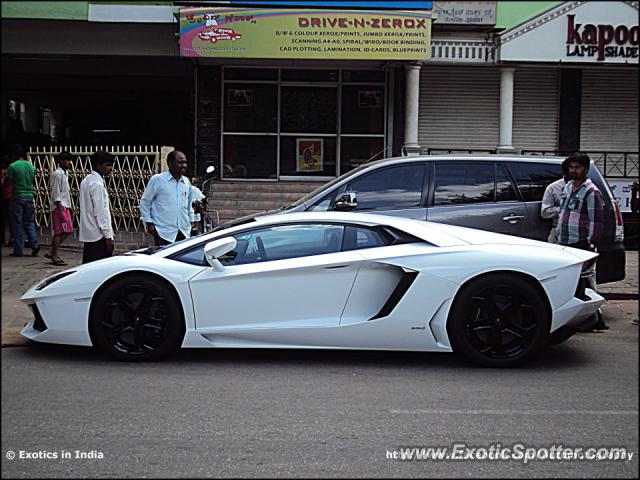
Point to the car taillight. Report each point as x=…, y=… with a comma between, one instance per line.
x=619, y=226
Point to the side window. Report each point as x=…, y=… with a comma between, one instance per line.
x=285, y=241
x=533, y=178
x=194, y=256
x=457, y=183
x=357, y=238
x=504, y=188
x=324, y=204
x=392, y=187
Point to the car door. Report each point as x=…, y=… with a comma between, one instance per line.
x=477, y=195
x=282, y=276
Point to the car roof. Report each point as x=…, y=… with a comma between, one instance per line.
x=473, y=157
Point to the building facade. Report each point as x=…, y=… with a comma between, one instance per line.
x=520, y=77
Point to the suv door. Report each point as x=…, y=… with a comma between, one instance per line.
x=532, y=179
x=476, y=195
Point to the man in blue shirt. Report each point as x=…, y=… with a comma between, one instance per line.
x=165, y=206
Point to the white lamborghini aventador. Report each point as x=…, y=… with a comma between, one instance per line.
x=323, y=280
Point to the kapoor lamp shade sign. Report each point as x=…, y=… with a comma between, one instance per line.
x=576, y=32
x=305, y=33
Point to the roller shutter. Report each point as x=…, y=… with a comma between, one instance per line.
x=536, y=101
x=609, y=119
x=459, y=108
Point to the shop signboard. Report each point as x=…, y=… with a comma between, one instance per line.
x=464, y=13
x=305, y=33
x=577, y=32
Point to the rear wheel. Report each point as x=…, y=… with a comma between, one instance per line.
x=137, y=318
x=498, y=321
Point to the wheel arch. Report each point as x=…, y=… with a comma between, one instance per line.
x=130, y=273
x=522, y=275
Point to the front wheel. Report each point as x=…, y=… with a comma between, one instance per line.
x=137, y=318
x=498, y=320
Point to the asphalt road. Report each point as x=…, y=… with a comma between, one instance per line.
x=241, y=413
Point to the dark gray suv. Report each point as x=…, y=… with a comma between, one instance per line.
x=495, y=192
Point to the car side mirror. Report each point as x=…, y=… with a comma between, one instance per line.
x=217, y=248
x=346, y=202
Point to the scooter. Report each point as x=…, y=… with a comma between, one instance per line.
x=207, y=223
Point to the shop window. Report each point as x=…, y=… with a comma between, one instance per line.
x=45, y=121
x=354, y=151
x=250, y=74
x=309, y=75
x=297, y=124
x=249, y=156
x=360, y=76
x=309, y=109
x=308, y=156
x=250, y=107
x=362, y=109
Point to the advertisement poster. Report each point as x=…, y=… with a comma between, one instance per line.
x=369, y=99
x=240, y=97
x=304, y=33
x=309, y=154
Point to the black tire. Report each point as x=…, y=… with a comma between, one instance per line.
x=137, y=318
x=498, y=320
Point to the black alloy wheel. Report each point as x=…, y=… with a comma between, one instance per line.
x=498, y=321
x=137, y=318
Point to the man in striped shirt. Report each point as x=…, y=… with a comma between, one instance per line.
x=580, y=221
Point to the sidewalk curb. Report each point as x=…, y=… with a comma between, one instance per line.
x=12, y=338
x=620, y=296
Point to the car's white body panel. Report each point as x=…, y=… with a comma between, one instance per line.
x=328, y=300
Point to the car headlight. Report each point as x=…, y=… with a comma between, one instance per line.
x=53, y=278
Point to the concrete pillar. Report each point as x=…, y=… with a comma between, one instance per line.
x=410, y=146
x=505, y=144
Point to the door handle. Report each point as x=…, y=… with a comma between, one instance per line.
x=512, y=218
x=336, y=267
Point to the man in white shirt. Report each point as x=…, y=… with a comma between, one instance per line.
x=550, y=207
x=95, y=215
x=166, y=204
x=60, y=205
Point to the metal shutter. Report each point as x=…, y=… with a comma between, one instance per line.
x=459, y=108
x=536, y=101
x=609, y=118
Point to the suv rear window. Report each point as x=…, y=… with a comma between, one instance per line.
x=533, y=178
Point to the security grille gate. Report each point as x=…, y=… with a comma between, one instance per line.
x=132, y=168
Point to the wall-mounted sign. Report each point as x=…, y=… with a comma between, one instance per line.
x=301, y=33
x=623, y=192
x=576, y=32
x=464, y=13
x=309, y=154
x=391, y=4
